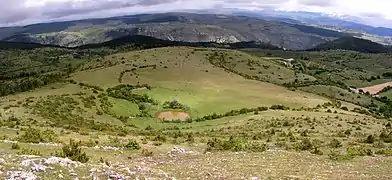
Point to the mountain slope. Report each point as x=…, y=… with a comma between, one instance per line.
x=298, y=17
x=175, y=27
x=354, y=44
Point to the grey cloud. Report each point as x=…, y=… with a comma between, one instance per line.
x=317, y=2
x=14, y=12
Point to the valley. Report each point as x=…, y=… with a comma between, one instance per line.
x=186, y=27
x=154, y=109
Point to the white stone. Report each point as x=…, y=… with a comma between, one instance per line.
x=18, y=175
x=92, y=171
x=62, y=161
x=38, y=167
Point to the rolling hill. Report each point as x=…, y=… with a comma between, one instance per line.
x=185, y=27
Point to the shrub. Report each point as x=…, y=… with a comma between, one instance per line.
x=157, y=143
x=29, y=151
x=32, y=135
x=160, y=138
x=147, y=153
x=370, y=139
x=233, y=144
x=317, y=151
x=132, y=144
x=344, y=108
x=15, y=146
x=337, y=156
x=256, y=147
x=335, y=143
x=174, y=105
x=385, y=152
x=149, y=128
x=304, y=145
x=73, y=152
x=359, y=151
x=190, y=138
x=279, y=107
x=386, y=137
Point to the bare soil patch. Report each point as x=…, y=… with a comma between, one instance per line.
x=173, y=115
x=376, y=88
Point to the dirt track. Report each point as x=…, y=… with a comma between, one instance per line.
x=173, y=115
x=376, y=88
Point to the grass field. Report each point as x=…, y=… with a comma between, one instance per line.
x=184, y=74
x=339, y=93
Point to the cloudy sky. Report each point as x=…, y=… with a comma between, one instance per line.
x=17, y=12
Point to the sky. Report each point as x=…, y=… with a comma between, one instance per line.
x=21, y=12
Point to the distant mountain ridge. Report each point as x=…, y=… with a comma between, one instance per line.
x=298, y=17
x=353, y=44
x=185, y=27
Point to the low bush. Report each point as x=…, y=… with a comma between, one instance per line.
x=160, y=138
x=338, y=156
x=132, y=144
x=28, y=151
x=15, y=146
x=233, y=144
x=386, y=136
x=335, y=143
x=147, y=153
x=32, y=135
x=370, y=139
x=304, y=145
x=256, y=147
x=279, y=107
x=73, y=152
x=385, y=152
x=359, y=151
x=175, y=105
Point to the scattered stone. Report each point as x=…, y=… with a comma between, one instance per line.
x=18, y=175
x=28, y=156
x=92, y=171
x=49, y=144
x=39, y=167
x=2, y=161
x=128, y=171
x=61, y=176
x=117, y=176
x=177, y=150
x=9, y=142
x=163, y=173
x=27, y=162
x=73, y=174
x=254, y=178
x=107, y=148
x=143, y=169
x=62, y=162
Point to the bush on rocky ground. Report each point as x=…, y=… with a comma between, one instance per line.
x=73, y=152
x=133, y=145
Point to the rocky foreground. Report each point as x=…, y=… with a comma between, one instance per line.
x=183, y=164
x=29, y=167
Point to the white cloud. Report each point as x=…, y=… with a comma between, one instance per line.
x=28, y=11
